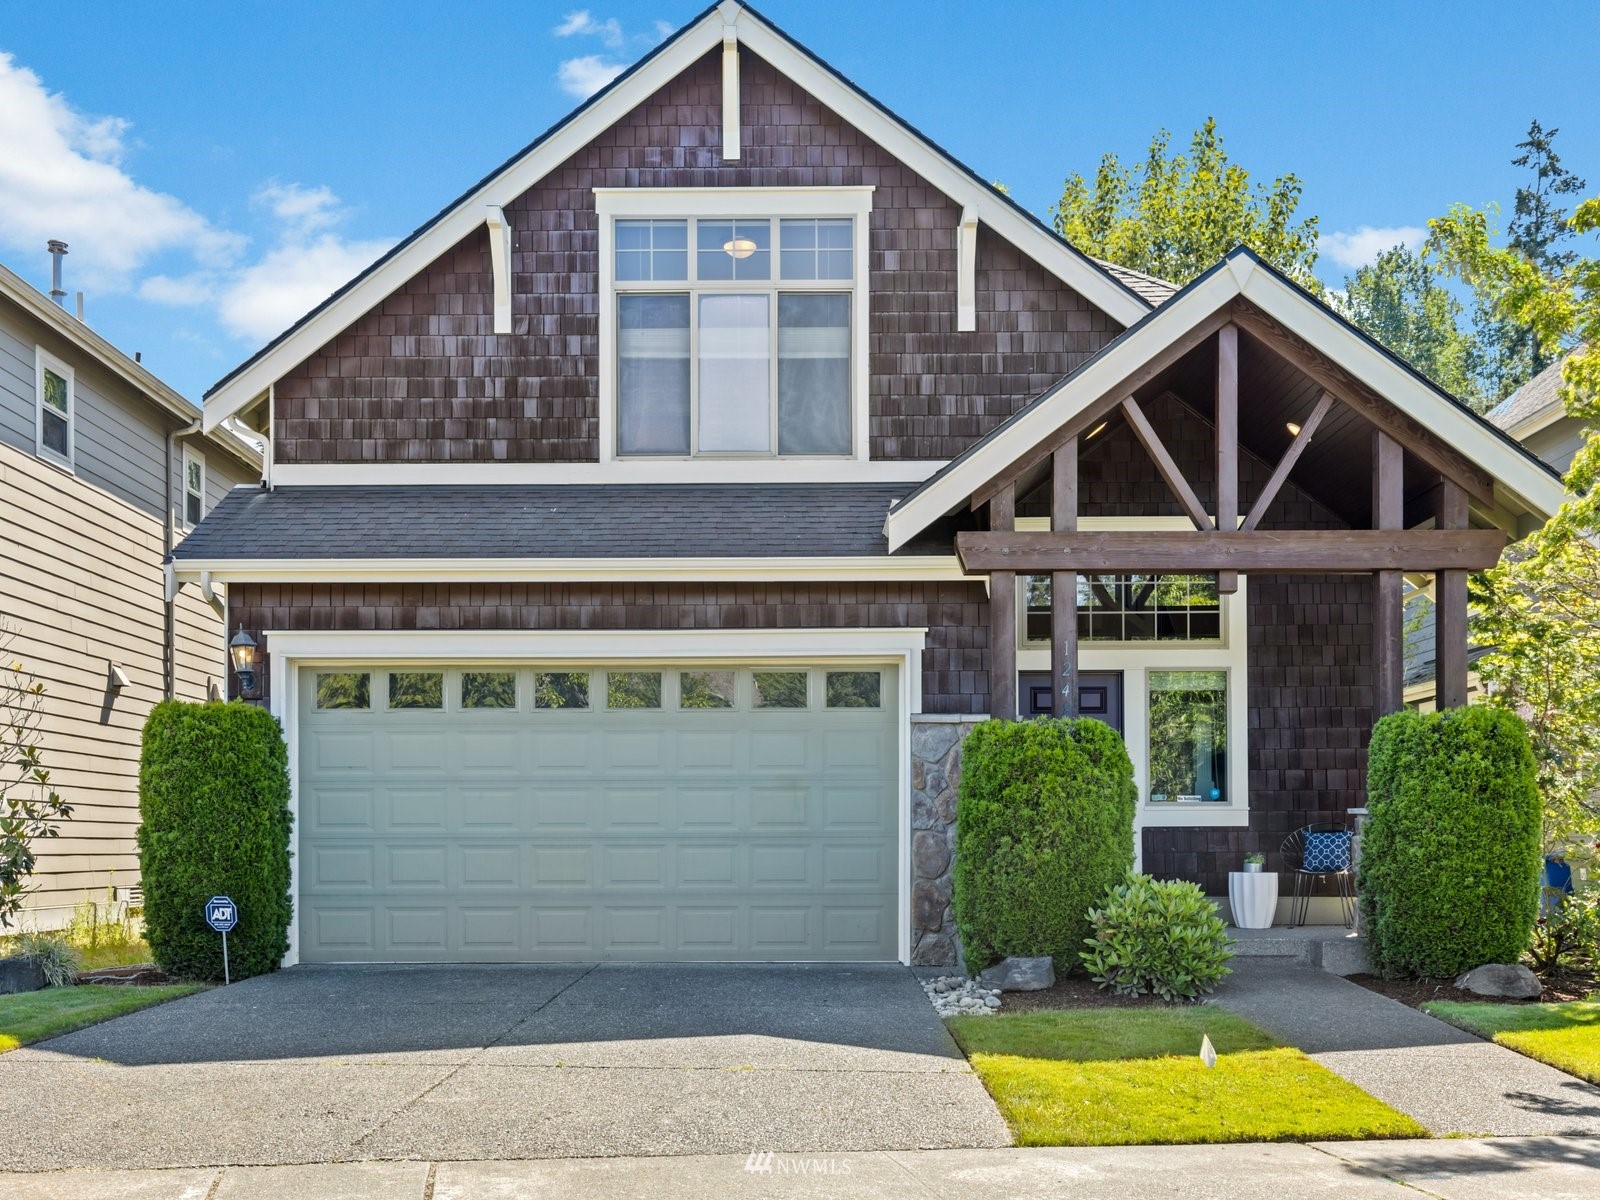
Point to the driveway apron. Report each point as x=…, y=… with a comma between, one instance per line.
x=319, y=1064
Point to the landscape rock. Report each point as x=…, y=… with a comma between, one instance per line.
x=953, y=996
x=1020, y=974
x=1511, y=981
x=20, y=975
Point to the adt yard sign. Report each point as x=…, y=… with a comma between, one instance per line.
x=222, y=915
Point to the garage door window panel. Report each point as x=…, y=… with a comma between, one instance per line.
x=781, y=689
x=344, y=690
x=707, y=689
x=855, y=689
x=416, y=689
x=488, y=689
x=561, y=689
x=633, y=689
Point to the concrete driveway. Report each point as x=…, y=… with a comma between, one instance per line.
x=317, y=1064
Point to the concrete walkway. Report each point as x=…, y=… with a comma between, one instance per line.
x=1449, y=1080
x=1501, y=1169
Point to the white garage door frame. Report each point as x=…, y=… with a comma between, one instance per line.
x=902, y=648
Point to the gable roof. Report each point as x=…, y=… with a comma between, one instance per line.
x=1242, y=273
x=136, y=375
x=1112, y=292
x=1534, y=405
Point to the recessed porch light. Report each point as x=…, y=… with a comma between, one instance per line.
x=1294, y=430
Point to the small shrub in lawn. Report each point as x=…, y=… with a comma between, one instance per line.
x=1044, y=824
x=1157, y=936
x=1450, y=855
x=214, y=809
x=54, y=954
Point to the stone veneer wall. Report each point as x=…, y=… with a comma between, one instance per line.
x=935, y=772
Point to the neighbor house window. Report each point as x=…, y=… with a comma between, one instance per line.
x=194, y=487
x=735, y=334
x=1131, y=608
x=56, y=401
x=1188, y=721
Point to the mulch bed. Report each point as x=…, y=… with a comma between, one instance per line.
x=143, y=975
x=1417, y=992
x=1073, y=993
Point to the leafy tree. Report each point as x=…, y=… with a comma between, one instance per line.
x=1398, y=300
x=30, y=809
x=1174, y=215
x=1512, y=349
x=1539, y=609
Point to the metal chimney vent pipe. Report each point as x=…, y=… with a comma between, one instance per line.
x=58, y=251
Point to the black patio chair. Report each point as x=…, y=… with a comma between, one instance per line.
x=1316, y=853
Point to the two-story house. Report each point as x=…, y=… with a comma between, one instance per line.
x=103, y=469
x=643, y=533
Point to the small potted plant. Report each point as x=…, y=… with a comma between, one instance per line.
x=1254, y=862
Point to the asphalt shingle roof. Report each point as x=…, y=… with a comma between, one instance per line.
x=1532, y=398
x=549, y=521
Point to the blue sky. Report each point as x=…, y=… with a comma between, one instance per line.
x=217, y=168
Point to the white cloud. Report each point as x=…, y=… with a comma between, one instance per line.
x=302, y=209
x=268, y=296
x=1355, y=248
x=61, y=176
x=581, y=24
x=583, y=77
x=664, y=30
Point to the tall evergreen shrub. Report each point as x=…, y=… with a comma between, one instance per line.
x=1044, y=826
x=1450, y=856
x=214, y=812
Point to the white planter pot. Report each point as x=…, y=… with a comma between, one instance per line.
x=1253, y=897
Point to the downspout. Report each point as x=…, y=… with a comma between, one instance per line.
x=169, y=530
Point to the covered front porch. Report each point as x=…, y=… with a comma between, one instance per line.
x=1205, y=539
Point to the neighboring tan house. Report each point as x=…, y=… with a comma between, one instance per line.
x=644, y=532
x=103, y=468
x=1537, y=417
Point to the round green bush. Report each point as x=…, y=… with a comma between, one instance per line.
x=1450, y=855
x=1044, y=825
x=214, y=812
x=1158, y=936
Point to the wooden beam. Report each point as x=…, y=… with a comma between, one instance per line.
x=1450, y=610
x=1064, y=585
x=1413, y=434
x=1388, y=587
x=1003, y=645
x=1314, y=551
x=1003, y=613
x=1165, y=463
x=1227, y=428
x=1280, y=473
x=1091, y=414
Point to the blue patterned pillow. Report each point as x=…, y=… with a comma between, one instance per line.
x=1327, y=851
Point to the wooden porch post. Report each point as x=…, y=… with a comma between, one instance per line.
x=1388, y=614
x=1227, y=426
x=1064, y=584
x=1003, y=615
x=1450, y=609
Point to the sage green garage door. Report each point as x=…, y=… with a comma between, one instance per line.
x=508, y=814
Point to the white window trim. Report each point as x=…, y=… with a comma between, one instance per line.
x=1135, y=660
x=901, y=648
x=42, y=360
x=613, y=204
x=190, y=454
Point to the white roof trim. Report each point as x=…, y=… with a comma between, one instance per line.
x=627, y=93
x=1532, y=486
x=883, y=568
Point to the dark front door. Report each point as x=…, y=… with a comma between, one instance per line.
x=1099, y=696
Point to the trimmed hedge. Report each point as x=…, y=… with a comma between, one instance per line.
x=1450, y=856
x=214, y=812
x=1044, y=826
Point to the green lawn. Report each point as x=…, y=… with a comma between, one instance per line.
x=1108, y=1077
x=33, y=1016
x=1566, y=1036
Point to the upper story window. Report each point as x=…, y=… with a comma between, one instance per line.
x=55, y=389
x=194, y=487
x=1132, y=608
x=734, y=322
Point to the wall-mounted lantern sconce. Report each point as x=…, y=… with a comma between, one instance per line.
x=243, y=652
x=116, y=677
